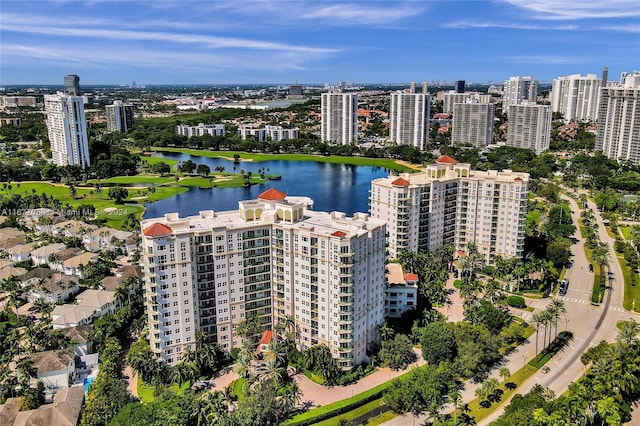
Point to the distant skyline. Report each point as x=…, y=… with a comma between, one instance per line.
x=279, y=41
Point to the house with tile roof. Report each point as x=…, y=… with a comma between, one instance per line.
x=401, y=291
x=75, y=265
x=40, y=256
x=20, y=252
x=56, y=369
x=64, y=411
x=91, y=304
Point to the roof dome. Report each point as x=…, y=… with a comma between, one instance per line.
x=157, y=230
x=272, y=194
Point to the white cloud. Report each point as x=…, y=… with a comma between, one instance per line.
x=579, y=9
x=542, y=59
x=351, y=13
x=213, y=42
x=511, y=25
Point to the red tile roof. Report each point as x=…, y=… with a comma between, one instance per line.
x=339, y=234
x=157, y=230
x=441, y=115
x=445, y=159
x=272, y=195
x=411, y=277
x=400, y=182
x=266, y=338
x=518, y=178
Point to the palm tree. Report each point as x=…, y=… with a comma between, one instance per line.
x=504, y=373
x=628, y=333
x=243, y=364
x=537, y=319
x=558, y=309
x=386, y=332
x=270, y=370
x=455, y=397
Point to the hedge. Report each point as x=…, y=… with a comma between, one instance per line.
x=516, y=301
x=339, y=407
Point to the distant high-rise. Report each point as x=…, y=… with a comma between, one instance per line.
x=529, y=126
x=517, y=90
x=412, y=87
x=425, y=88
x=339, y=118
x=605, y=76
x=618, y=131
x=296, y=90
x=472, y=124
x=409, y=118
x=67, y=128
x=459, y=86
x=576, y=97
x=72, y=85
x=119, y=117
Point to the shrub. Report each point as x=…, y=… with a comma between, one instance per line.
x=516, y=301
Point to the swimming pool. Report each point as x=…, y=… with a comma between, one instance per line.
x=88, y=382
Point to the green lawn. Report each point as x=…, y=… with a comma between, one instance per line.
x=360, y=411
x=145, y=391
x=360, y=161
x=137, y=179
x=626, y=231
x=519, y=377
x=631, y=292
x=153, y=160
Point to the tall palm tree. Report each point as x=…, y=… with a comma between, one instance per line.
x=558, y=309
x=243, y=364
x=628, y=333
x=545, y=317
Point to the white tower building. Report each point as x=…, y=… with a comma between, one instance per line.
x=272, y=258
x=618, y=131
x=339, y=118
x=410, y=118
x=517, y=90
x=473, y=124
x=576, y=97
x=448, y=203
x=67, y=129
x=529, y=126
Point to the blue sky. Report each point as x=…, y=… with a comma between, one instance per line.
x=278, y=41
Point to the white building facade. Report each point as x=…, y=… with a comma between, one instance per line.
x=576, y=97
x=200, y=130
x=409, y=118
x=448, y=203
x=473, y=124
x=339, y=118
x=67, y=129
x=517, y=90
x=272, y=258
x=529, y=127
x=273, y=133
x=119, y=117
x=618, y=131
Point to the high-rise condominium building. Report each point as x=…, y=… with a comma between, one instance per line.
x=517, y=90
x=119, y=117
x=529, y=126
x=67, y=129
x=448, y=203
x=459, y=86
x=576, y=97
x=72, y=85
x=272, y=258
x=339, y=118
x=200, y=130
x=410, y=118
x=472, y=124
x=618, y=131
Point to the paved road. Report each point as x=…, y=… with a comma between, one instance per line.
x=589, y=324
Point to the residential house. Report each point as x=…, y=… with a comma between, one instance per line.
x=49, y=285
x=11, y=237
x=401, y=293
x=75, y=265
x=20, y=252
x=72, y=228
x=121, y=275
x=56, y=369
x=105, y=239
x=64, y=411
x=11, y=271
x=60, y=257
x=91, y=304
x=40, y=256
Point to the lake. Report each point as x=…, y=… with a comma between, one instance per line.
x=333, y=187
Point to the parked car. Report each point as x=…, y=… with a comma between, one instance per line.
x=590, y=268
x=564, y=285
x=545, y=369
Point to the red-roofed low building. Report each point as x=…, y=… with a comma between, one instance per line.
x=401, y=292
x=157, y=230
x=266, y=338
x=400, y=182
x=272, y=194
x=445, y=159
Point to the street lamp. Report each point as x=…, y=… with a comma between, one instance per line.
x=566, y=321
x=524, y=362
